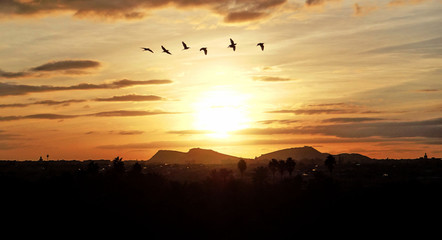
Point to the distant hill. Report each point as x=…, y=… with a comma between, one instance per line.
x=206, y=156
x=193, y=156
x=352, y=158
x=299, y=153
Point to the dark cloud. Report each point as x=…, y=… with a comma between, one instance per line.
x=280, y=121
x=243, y=16
x=63, y=66
x=125, y=113
x=67, y=65
x=351, y=120
x=4, y=74
x=231, y=10
x=317, y=2
x=271, y=79
x=118, y=113
x=130, y=97
x=7, y=89
x=43, y=102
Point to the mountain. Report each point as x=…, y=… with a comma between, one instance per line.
x=193, y=156
x=299, y=154
x=207, y=156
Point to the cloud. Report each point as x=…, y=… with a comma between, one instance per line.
x=431, y=128
x=7, y=89
x=232, y=10
x=280, y=121
x=190, y=132
x=43, y=102
x=117, y=113
x=4, y=74
x=351, y=120
x=130, y=97
x=271, y=79
x=63, y=67
x=125, y=113
x=315, y=111
x=317, y=2
x=66, y=65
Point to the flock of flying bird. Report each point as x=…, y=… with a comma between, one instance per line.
x=232, y=45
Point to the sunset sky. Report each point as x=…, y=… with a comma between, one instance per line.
x=355, y=76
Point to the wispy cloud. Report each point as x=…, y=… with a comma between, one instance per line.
x=130, y=97
x=431, y=128
x=271, y=79
x=63, y=67
x=7, y=89
x=351, y=120
x=117, y=113
x=314, y=111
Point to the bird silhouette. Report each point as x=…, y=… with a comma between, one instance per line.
x=261, y=45
x=166, y=51
x=185, y=46
x=204, y=49
x=147, y=49
x=232, y=45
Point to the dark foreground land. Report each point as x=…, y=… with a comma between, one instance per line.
x=382, y=199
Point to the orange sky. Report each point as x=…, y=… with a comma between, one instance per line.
x=339, y=75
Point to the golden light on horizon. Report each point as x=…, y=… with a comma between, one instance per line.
x=221, y=111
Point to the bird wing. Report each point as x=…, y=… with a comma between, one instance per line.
x=184, y=45
x=234, y=47
x=163, y=48
x=231, y=42
x=150, y=50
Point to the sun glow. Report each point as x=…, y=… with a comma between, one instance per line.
x=221, y=111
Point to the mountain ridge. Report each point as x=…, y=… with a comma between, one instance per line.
x=208, y=156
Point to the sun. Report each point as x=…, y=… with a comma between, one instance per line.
x=221, y=111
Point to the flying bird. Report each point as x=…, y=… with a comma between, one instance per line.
x=232, y=45
x=147, y=49
x=185, y=46
x=261, y=45
x=204, y=49
x=166, y=51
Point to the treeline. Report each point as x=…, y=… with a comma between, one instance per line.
x=222, y=206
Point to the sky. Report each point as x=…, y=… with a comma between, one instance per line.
x=343, y=76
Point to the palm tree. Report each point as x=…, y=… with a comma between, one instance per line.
x=242, y=166
x=330, y=162
x=273, y=166
x=118, y=165
x=290, y=165
x=281, y=167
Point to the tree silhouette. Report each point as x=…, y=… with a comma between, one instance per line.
x=330, y=162
x=281, y=167
x=136, y=169
x=273, y=166
x=47, y=157
x=92, y=168
x=118, y=166
x=259, y=175
x=290, y=165
x=242, y=166
x=225, y=173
